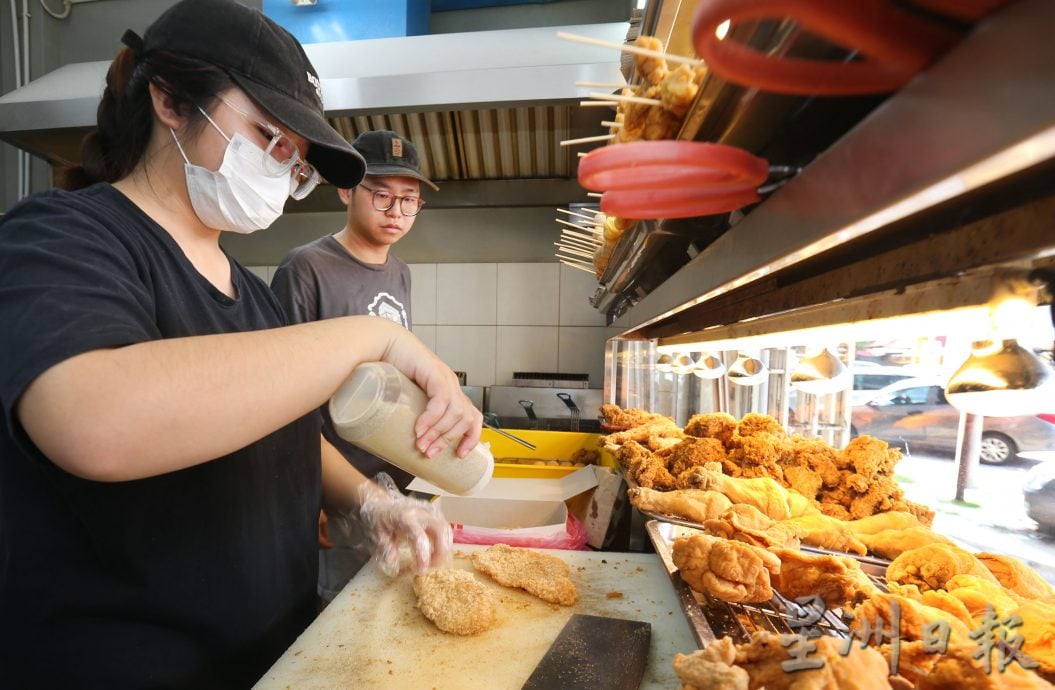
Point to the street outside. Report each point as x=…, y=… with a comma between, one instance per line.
x=992, y=516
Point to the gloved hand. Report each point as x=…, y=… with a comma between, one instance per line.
x=391, y=520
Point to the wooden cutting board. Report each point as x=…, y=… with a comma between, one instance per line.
x=373, y=636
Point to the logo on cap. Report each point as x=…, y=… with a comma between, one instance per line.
x=397, y=147
x=314, y=81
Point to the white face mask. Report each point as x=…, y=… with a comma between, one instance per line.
x=240, y=196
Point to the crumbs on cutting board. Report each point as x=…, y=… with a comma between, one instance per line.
x=613, y=595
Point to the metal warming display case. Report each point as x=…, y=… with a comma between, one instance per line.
x=923, y=208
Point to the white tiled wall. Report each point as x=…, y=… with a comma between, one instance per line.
x=490, y=320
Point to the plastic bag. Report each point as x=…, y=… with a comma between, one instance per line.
x=573, y=538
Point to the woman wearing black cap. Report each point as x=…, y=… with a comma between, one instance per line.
x=160, y=471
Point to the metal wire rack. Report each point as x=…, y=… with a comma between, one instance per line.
x=711, y=618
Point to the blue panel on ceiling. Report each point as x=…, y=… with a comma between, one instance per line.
x=447, y=5
x=348, y=20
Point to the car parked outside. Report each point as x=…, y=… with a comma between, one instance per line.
x=914, y=412
x=1039, y=494
x=870, y=378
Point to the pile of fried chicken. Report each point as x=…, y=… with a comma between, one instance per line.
x=740, y=482
x=852, y=483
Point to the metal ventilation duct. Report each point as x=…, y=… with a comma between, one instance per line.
x=489, y=105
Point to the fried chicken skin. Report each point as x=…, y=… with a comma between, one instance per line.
x=1018, y=577
x=824, y=532
x=764, y=658
x=690, y=504
x=455, y=601
x=931, y=566
x=762, y=492
x=711, y=668
x=891, y=543
x=838, y=580
x=617, y=417
x=748, y=524
x=728, y=570
x=880, y=522
x=915, y=616
x=545, y=576
x=719, y=425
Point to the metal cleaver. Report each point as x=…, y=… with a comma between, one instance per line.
x=594, y=652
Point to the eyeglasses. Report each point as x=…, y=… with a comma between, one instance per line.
x=281, y=156
x=383, y=201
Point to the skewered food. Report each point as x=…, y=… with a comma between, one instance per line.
x=455, y=601
x=545, y=576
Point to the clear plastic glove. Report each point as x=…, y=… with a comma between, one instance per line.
x=391, y=520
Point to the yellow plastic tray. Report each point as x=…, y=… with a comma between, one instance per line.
x=549, y=445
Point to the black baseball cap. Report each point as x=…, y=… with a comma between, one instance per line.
x=267, y=62
x=387, y=153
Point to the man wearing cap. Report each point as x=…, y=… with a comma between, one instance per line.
x=353, y=272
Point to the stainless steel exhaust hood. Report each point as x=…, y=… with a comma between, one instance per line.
x=488, y=105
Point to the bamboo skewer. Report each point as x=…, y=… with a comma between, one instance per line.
x=574, y=252
x=636, y=50
x=578, y=266
x=599, y=85
x=581, y=238
x=578, y=227
x=579, y=243
x=580, y=215
x=627, y=99
x=582, y=154
x=595, y=195
x=611, y=123
x=587, y=104
x=586, y=140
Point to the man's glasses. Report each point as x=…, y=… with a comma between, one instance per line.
x=281, y=156
x=383, y=201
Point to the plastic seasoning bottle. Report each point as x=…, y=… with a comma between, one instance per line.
x=376, y=409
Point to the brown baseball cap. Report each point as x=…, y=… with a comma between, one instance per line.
x=387, y=153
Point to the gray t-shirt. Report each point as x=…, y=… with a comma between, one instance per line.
x=322, y=280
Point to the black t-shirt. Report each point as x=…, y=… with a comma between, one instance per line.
x=196, y=578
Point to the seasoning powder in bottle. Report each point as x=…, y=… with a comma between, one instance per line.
x=376, y=409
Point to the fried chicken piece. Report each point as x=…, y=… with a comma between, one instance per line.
x=711, y=668
x=914, y=616
x=815, y=454
x=754, y=424
x=834, y=510
x=938, y=598
x=760, y=451
x=690, y=504
x=662, y=444
x=719, y=425
x=838, y=580
x=694, y=452
x=615, y=416
x=803, y=480
x=869, y=456
x=663, y=427
x=1038, y=631
x=933, y=565
x=824, y=532
x=924, y=514
x=651, y=69
x=545, y=576
x=678, y=89
x=1018, y=577
x=881, y=522
x=763, y=493
x=651, y=472
x=881, y=495
x=764, y=657
x=728, y=570
x=891, y=543
x=956, y=669
x=455, y=602
x=748, y=524
x=660, y=123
